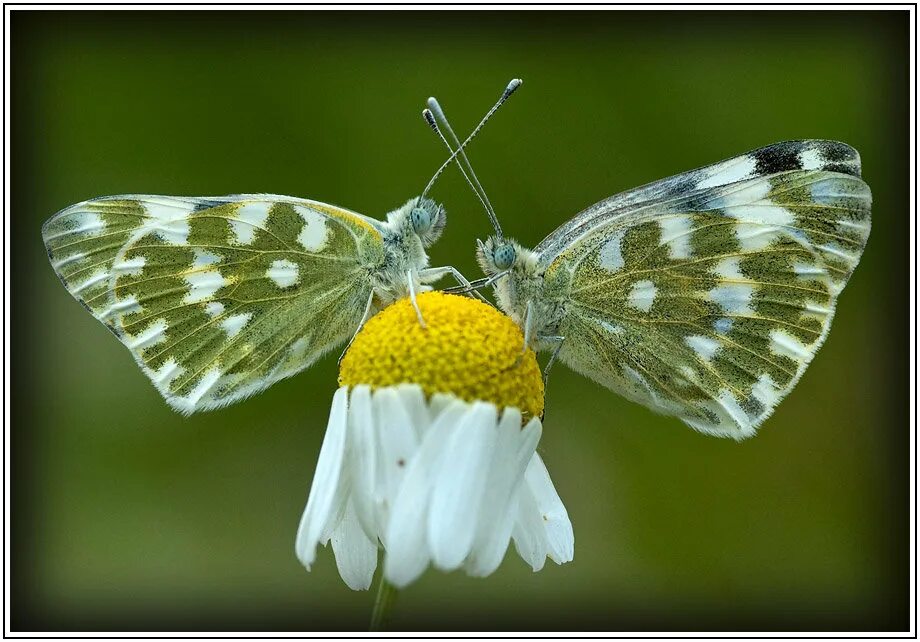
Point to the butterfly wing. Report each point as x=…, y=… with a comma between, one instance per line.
x=709, y=306
x=826, y=155
x=216, y=298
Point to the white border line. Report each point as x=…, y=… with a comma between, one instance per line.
x=8, y=9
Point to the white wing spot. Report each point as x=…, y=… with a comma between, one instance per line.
x=315, y=234
x=734, y=298
x=283, y=272
x=811, y=158
x=637, y=379
x=729, y=268
x=723, y=325
x=204, y=385
x=128, y=305
x=67, y=260
x=762, y=214
x=233, y=324
x=675, y=233
x=784, y=344
x=802, y=269
x=214, y=308
x=734, y=196
x=755, y=236
x=95, y=279
x=836, y=250
x=611, y=255
x=729, y=172
x=168, y=220
x=89, y=223
x=733, y=409
x=248, y=218
x=642, y=295
x=766, y=391
x=151, y=335
x=203, y=258
x=132, y=267
x=299, y=347
x=611, y=328
x=203, y=285
x=166, y=374
x=816, y=309
x=828, y=191
x=704, y=347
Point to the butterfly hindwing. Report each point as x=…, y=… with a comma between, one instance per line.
x=710, y=304
x=216, y=298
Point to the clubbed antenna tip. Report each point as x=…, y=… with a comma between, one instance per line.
x=512, y=87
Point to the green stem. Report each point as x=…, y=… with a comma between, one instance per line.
x=386, y=597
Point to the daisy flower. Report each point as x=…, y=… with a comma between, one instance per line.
x=430, y=451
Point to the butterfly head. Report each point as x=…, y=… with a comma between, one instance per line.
x=423, y=217
x=498, y=255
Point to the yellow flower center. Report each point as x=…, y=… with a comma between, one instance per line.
x=468, y=349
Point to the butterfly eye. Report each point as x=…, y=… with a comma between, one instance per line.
x=421, y=220
x=504, y=256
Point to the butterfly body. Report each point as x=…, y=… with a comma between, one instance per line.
x=702, y=296
x=219, y=297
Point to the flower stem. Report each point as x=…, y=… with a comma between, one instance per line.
x=386, y=597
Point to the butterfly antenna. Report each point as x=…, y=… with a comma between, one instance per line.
x=429, y=118
x=435, y=113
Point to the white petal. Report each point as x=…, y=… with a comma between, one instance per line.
x=413, y=400
x=459, y=485
x=559, y=534
x=542, y=527
x=407, y=554
x=438, y=403
x=355, y=554
x=513, y=450
x=397, y=443
x=325, y=481
x=362, y=431
x=528, y=533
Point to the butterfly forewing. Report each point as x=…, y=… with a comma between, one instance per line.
x=710, y=305
x=217, y=298
x=797, y=155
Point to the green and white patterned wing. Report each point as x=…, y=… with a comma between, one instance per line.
x=216, y=298
x=709, y=306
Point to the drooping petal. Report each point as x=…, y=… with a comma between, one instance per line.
x=320, y=502
x=528, y=534
x=542, y=526
x=355, y=554
x=458, y=488
x=513, y=450
x=559, y=534
x=407, y=555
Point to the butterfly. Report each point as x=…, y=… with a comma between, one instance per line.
x=702, y=296
x=219, y=297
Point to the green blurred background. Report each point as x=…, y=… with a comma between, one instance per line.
x=126, y=515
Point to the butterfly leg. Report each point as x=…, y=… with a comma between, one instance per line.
x=367, y=315
x=411, y=276
x=430, y=275
x=552, y=359
x=478, y=284
x=528, y=325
